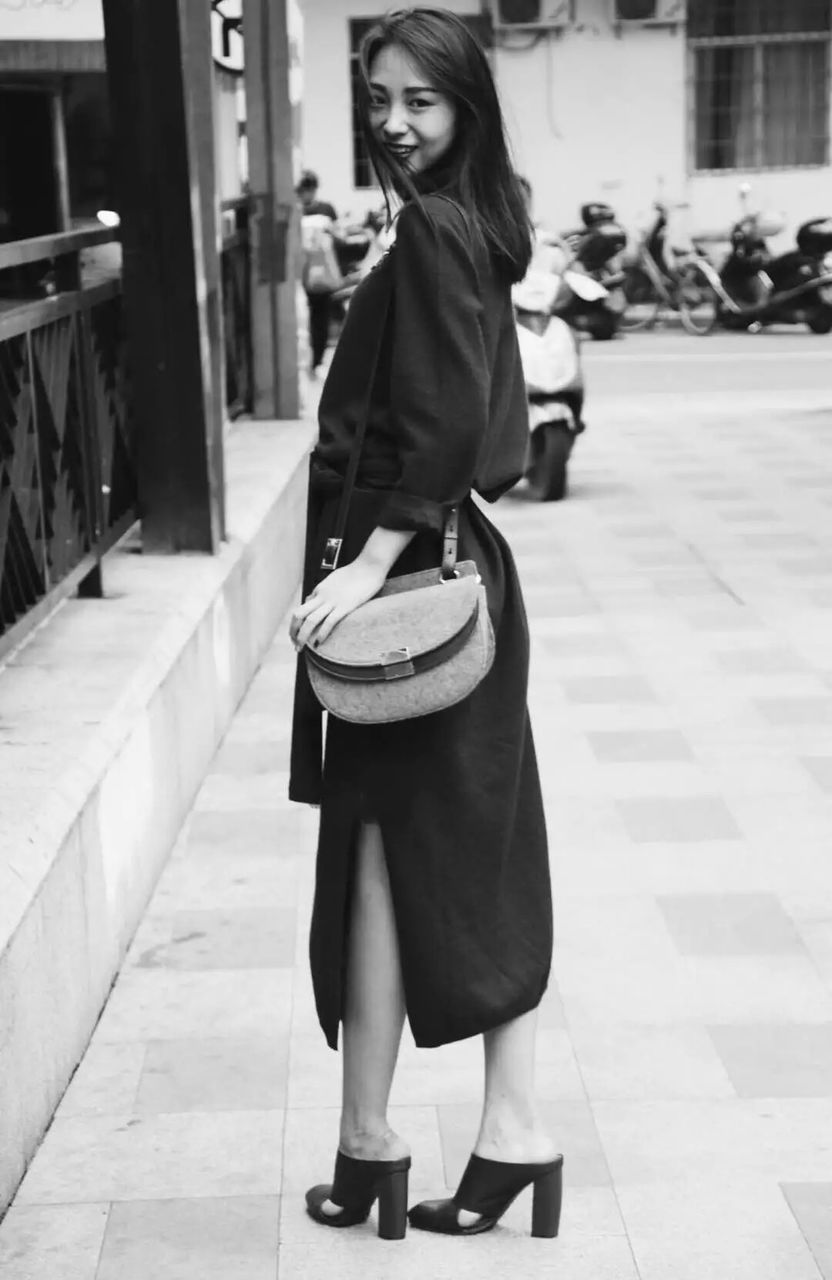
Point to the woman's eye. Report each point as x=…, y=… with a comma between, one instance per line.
x=420, y=103
x=377, y=104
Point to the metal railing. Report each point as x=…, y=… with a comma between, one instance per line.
x=67, y=471
x=235, y=271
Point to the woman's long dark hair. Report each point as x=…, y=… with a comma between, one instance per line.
x=477, y=171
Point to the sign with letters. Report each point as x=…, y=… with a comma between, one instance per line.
x=51, y=20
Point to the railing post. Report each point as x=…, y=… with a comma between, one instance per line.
x=160, y=74
x=273, y=222
x=68, y=278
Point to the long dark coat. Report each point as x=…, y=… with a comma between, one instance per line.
x=456, y=794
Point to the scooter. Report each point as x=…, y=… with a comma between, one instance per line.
x=550, y=353
x=596, y=247
x=755, y=288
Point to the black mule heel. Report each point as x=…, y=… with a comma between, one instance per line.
x=356, y=1186
x=392, y=1206
x=487, y=1188
x=547, y=1200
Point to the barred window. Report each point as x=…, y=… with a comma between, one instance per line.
x=760, y=74
x=363, y=175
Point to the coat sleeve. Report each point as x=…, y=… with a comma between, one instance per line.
x=440, y=381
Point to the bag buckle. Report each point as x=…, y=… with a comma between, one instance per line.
x=332, y=551
x=397, y=663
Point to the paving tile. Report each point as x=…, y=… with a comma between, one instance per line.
x=164, y=1005
x=577, y=643
x=246, y=759
x=550, y=1015
x=729, y=924
x=228, y=792
x=796, y=711
x=165, y=1157
x=781, y=987
x=213, y=1075
x=646, y=745
x=242, y=939
x=570, y=1123
x=771, y=661
x=778, y=1060
x=214, y=1239
x=106, y=1081
x=58, y=1242
x=820, y=769
x=730, y=1259
x=270, y=831
x=504, y=1251
x=210, y=880
x=811, y=1204
x=657, y=819
x=643, y=1062
x=608, y=689
x=690, y=1142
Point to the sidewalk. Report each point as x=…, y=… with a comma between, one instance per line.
x=681, y=617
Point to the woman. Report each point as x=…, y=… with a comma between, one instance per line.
x=432, y=895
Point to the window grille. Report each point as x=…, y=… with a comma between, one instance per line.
x=760, y=73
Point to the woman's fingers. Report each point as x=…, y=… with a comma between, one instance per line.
x=303, y=610
x=310, y=624
x=328, y=625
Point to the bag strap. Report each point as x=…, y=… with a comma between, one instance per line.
x=332, y=549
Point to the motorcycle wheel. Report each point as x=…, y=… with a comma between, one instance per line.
x=821, y=320
x=604, y=327
x=643, y=303
x=550, y=447
x=698, y=304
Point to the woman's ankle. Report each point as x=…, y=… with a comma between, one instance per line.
x=514, y=1133
x=370, y=1140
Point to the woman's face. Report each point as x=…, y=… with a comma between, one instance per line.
x=412, y=120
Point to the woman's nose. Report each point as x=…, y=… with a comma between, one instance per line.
x=395, y=124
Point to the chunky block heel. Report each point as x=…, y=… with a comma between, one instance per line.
x=392, y=1206
x=487, y=1188
x=546, y=1203
x=355, y=1188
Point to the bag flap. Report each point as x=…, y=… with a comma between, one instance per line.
x=419, y=621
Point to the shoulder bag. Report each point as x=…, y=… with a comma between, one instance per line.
x=422, y=644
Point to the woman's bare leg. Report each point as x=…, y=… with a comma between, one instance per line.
x=374, y=1010
x=511, y=1128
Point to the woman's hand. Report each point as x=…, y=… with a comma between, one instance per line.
x=333, y=598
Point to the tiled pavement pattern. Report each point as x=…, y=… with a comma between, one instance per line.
x=681, y=616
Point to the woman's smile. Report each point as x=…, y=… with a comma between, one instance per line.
x=413, y=121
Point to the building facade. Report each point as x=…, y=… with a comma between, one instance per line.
x=709, y=95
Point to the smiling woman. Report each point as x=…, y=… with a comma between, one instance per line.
x=415, y=122
x=432, y=894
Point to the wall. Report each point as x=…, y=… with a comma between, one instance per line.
x=111, y=714
x=591, y=114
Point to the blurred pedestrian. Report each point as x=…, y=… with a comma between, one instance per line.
x=321, y=276
x=432, y=896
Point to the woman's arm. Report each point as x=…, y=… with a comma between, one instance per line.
x=440, y=386
x=345, y=589
x=440, y=379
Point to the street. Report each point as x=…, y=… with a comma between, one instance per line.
x=680, y=610
x=668, y=360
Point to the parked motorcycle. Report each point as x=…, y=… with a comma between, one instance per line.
x=755, y=288
x=554, y=382
x=596, y=249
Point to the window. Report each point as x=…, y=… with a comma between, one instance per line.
x=760, y=72
x=363, y=175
